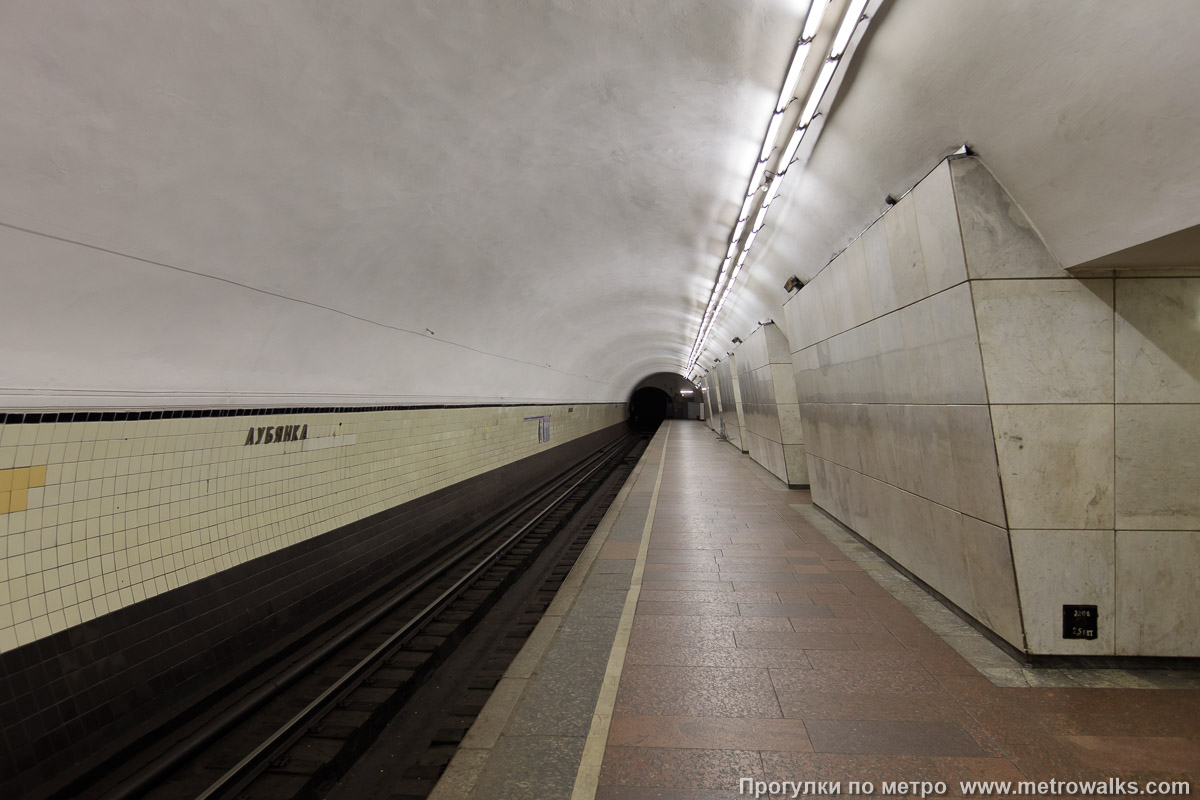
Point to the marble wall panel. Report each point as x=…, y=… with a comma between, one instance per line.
x=998, y=239
x=858, y=282
x=769, y=454
x=1157, y=605
x=937, y=225
x=920, y=346
x=904, y=251
x=1046, y=341
x=976, y=471
x=778, y=349
x=731, y=411
x=1158, y=340
x=1158, y=466
x=988, y=557
x=1056, y=465
x=796, y=463
x=958, y=355
x=1062, y=567
x=879, y=270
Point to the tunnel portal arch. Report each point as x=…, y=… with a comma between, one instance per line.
x=663, y=395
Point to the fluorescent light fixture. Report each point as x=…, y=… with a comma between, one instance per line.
x=747, y=204
x=849, y=23
x=817, y=92
x=815, y=12
x=726, y=279
x=793, y=77
x=738, y=229
x=762, y=215
x=789, y=152
x=756, y=178
x=772, y=132
x=773, y=190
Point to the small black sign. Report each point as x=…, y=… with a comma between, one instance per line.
x=1079, y=622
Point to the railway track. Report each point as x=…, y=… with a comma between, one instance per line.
x=298, y=730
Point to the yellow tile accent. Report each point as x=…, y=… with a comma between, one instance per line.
x=37, y=477
x=20, y=478
x=6, y=476
x=4, y=502
x=18, y=501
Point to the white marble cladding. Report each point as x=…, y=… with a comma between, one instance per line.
x=767, y=389
x=729, y=403
x=964, y=558
x=894, y=404
x=1095, y=392
x=128, y=510
x=947, y=362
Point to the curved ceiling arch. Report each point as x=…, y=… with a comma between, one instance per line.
x=522, y=201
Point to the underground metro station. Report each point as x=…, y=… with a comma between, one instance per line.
x=625, y=400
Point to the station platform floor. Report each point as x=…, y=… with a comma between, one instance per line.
x=719, y=629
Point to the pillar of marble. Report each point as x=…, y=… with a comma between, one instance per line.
x=773, y=435
x=1019, y=438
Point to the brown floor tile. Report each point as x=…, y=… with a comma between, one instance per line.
x=854, y=667
x=668, y=596
x=717, y=733
x=717, y=657
x=875, y=681
x=766, y=576
x=877, y=641
x=783, y=640
x=879, y=661
x=763, y=563
x=835, y=625
x=650, y=637
x=680, y=556
x=657, y=583
x=788, y=586
x=696, y=691
x=705, y=625
x=848, y=705
x=890, y=737
x=680, y=769
x=682, y=572
x=651, y=608
x=799, y=610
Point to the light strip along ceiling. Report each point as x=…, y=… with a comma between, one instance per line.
x=756, y=201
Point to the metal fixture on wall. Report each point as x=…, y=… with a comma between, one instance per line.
x=793, y=284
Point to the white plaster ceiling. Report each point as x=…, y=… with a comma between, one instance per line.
x=275, y=201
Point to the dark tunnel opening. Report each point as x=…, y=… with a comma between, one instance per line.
x=648, y=407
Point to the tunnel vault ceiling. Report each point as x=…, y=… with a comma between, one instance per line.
x=524, y=200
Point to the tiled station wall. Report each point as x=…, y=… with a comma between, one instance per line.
x=119, y=535
x=773, y=433
x=731, y=404
x=1004, y=429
